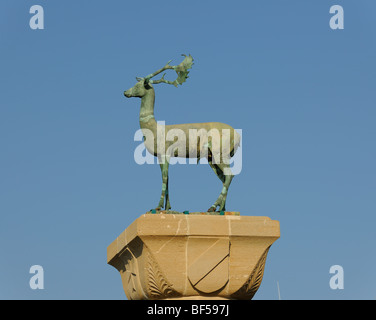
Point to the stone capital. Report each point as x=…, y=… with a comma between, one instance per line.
x=172, y=256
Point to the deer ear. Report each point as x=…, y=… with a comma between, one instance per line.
x=147, y=83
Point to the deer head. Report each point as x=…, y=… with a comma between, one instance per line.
x=144, y=84
x=139, y=89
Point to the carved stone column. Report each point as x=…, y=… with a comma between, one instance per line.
x=177, y=256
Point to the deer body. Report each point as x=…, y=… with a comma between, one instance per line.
x=215, y=141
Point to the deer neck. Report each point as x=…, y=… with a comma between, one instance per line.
x=147, y=120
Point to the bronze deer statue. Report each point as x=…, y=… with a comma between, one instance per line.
x=217, y=142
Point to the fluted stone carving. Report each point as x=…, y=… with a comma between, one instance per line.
x=189, y=257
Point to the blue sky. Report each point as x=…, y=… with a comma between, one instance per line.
x=302, y=93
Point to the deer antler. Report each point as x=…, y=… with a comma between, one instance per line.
x=166, y=67
x=181, y=70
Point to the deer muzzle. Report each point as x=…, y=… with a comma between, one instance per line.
x=128, y=93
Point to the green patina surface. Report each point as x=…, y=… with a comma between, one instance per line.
x=218, y=160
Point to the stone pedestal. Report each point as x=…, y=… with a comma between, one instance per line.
x=172, y=256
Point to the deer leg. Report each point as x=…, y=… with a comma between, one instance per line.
x=226, y=185
x=164, y=169
x=219, y=169
x=221, y=177
x=167, y=205
x=160, y=204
